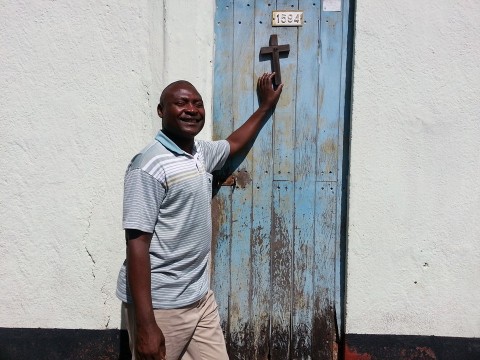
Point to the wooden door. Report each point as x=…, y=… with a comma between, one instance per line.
x=278, y=232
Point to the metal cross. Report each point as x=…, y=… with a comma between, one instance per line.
x=275, y=50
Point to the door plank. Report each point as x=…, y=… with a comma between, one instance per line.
x=281, y=247
x=284, y=126
x=283, y=195
x=240, y=271
x=329, y=94
x=305, y=162
x=262, y=176
x=221, y=203
x=323, y=336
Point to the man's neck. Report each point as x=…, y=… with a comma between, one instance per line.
x=184, y=144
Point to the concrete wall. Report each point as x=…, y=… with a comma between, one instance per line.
x=414, y=203
x=80, y=82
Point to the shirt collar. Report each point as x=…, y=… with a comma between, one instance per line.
x=170, y=145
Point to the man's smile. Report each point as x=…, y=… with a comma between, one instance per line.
x=190, y=120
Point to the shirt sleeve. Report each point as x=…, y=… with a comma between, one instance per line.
x=215, y=153
x=143, y=195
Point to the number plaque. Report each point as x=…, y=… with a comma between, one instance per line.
x=287, y=18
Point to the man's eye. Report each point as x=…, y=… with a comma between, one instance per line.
x=199, y=105
x=180, y=103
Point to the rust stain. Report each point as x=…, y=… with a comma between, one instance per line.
x=352, y=354
x=229, y=181
x=243, y=178
x=222, y=178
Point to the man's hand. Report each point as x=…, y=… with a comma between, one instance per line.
x=268, y=96
x=150, y=343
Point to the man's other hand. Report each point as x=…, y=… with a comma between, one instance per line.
x=150, y=343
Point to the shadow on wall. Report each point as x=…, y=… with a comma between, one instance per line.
x=123, y=345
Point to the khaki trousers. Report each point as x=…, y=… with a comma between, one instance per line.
x=191, y=333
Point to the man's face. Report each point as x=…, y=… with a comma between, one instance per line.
x=182, y=111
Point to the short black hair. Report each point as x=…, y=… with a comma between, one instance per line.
x=169, y=86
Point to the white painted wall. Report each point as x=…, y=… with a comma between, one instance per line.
x=414, y=203
x=79, y=85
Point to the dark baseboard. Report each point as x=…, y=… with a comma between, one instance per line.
x=410, y=347
x=61, y=344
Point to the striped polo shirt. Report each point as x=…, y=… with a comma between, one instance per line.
x=168, y=192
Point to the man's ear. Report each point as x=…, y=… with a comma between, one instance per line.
x=159, y=110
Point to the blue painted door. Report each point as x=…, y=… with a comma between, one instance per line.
x=278, y=231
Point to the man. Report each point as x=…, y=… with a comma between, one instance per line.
x=163, y=284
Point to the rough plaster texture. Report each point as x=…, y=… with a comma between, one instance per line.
x=80, y=83
x=414, y=204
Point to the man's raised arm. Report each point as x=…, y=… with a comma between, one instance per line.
x=268, y=98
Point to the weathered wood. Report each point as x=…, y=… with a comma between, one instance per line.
x=329, y=93
x=323, y=335
x=281, y=247
x=262, y=178
x=240, y=270
x=276, y=247
x=305, y=162
x=284, y=125
x=283, y=198
x=221, y=204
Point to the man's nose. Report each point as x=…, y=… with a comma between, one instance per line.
x=191, y=108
